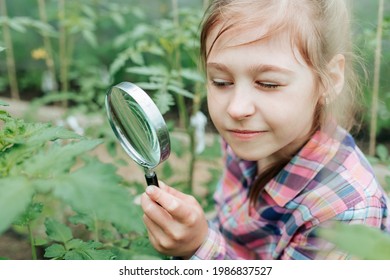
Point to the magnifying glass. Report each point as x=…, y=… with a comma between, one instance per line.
x=139, y=126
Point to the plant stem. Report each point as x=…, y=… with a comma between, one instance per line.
x=183, y=118
x=32, y=242
x=11, y=68
x=375, y=91
x=46, y=40
x=96, y=228
x=63, y=49
x=183, y=112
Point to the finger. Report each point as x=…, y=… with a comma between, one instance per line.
x=154, y=211
x=152, y=227
x=172, y=191
x=176, y=207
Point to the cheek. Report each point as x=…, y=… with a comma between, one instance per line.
x=213, y=108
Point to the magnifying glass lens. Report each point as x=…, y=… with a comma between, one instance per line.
x=135, y=128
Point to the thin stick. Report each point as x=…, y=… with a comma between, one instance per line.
x=375, y=91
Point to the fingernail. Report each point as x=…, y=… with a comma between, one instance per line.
x=149, y=189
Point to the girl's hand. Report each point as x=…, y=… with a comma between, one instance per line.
x=175, y=221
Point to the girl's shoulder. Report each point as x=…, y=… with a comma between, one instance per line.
x=330, y=174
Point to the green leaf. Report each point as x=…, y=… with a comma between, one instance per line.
x=15, y=25
x=55, y=251
x=147, y=71
x=163, y=101
x=15, y=196
x=57, y=160
x=2, y=103
x=102, y=197
x=192, y=75
x=74, y=244
x=141, y=248
x=177, y=146
x=387, y=186
x=87, y=251
x=84, y=220
x=362, y=241
x=90, y=37
x=180, y=91
x=53, y=133
x=57, y=231
x=137, y=58
x=149, y=86
x=33, y=211
x=167, y=170
x=382, y=152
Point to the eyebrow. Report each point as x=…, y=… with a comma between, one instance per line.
x=254, y=68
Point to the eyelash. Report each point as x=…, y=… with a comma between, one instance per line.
x=268, y=85
x=220, y=84
x=226, y=84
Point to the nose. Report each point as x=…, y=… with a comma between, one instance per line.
x=241, y=105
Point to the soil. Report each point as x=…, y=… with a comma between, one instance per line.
x=14, y=246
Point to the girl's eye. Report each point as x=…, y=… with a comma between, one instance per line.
x=220, y=83
x=268, y=85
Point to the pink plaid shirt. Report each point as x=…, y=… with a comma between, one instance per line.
x=328, y=179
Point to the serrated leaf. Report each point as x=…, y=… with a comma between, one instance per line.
x=101, y=197
x=147, y=71
x=167, y=170
x=191, y=75
x=53, y=133
x=15, y=25
x=15, y=196
x=84, y=220
x=118, y=19
x=177, y=146
x=137, y=58
x=57, y=160
x=163, y=101
x=382, y=152
x=180, y=91
x=30, y=214
x=90, y=38
x=359, y=240
x=88, y=251
x=57, y=231
x=55, y=251
x=141, y=248
x=74, y=244
x=149, y=86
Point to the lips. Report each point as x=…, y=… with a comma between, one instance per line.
x=245, y=134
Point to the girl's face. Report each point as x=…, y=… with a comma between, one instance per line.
x=261, y=95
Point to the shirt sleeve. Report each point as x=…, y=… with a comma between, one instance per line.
x=214, y=247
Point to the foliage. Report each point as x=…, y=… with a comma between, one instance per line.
x=40, y=164
x=376, y=244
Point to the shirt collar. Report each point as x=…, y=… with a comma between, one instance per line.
x=305, y=165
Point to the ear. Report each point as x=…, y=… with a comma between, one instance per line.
x=336, y=69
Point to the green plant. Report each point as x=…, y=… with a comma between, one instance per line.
x=45, y=170
x=164, y=57
x=359, y=240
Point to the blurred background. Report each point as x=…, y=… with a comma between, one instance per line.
x=57, y=60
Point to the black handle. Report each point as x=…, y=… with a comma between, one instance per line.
x=151, y=179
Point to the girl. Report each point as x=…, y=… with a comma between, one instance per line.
x=282, y=94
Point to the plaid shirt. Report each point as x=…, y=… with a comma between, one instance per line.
x=328, y=179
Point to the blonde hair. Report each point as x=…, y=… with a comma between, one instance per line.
x=318, y=29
